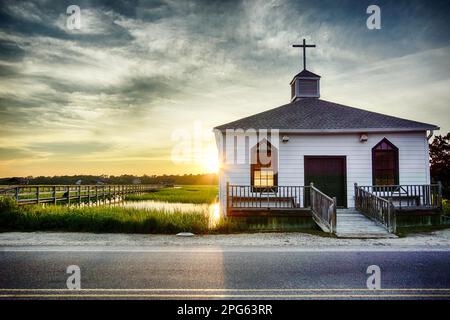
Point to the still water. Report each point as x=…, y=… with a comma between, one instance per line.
x=212, y=210
x=165, y=206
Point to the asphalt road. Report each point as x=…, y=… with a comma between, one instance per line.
x=255, y=273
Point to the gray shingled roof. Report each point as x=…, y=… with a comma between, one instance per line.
x=311, y=114
x=307, y=74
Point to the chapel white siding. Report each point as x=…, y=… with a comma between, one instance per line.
x=413, y=159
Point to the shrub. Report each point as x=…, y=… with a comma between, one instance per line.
x=8, y=213
x=446, y=207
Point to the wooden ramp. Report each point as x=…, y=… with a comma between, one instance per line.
x=353, y=224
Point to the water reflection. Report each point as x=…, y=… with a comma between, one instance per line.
x=165, y=206
x=214, y=214
x=211, y=210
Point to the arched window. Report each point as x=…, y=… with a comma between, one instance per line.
x=264, y=166
x=385, y=164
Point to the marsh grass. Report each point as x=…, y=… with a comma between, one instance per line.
x=101, y=219
x=183, y=194
x=117, y=219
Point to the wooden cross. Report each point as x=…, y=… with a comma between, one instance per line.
x=304, y=46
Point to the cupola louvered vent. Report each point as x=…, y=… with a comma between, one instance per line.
x=305, y=85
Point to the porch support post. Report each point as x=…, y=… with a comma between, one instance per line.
x=228, y=198
x=439, y=195
x=391, y=217
x=333, y=218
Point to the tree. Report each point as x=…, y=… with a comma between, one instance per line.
x=440, y=162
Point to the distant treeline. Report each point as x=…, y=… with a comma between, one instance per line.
x=123, y=179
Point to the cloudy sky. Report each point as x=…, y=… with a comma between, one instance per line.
x=117, y=95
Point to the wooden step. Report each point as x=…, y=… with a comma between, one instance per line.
x=368, y=235
x=352, y=224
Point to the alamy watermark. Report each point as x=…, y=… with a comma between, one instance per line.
x=73, y=21
x=74, y=280
x=250, y=146
x=374, y=280
x=235, y=146
x=374, y=20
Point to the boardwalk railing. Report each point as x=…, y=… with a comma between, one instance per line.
x=244, y=196
x=323, y=209
x=31, y=194
x=404, y=196
x=375, y=208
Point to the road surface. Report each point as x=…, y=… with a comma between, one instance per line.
x=223, y=272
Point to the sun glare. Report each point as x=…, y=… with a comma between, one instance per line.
x=210, y=159
x=214, y=214
x=211, y=164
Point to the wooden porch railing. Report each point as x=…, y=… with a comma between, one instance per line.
x=32, y=194
x=245, y=196
x=415, y=195
x=375, y=208
x=323, y=209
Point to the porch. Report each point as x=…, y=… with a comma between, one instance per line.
x=391, y=205
x=381, y=205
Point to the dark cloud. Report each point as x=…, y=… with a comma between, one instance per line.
x=145, y=89
x=8, y=71
x=38, y=112
x=10, y=51
x=39, y=19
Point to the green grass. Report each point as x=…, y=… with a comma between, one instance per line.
x=105, y=219
x=184, y=194
x=119, y=219
x=408, y=231
x=446, y=207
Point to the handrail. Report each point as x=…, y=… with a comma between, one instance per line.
x=409, y=195
x=246, y=196
x=323, y=209
x=323, y=194
x=376, y=208
x=32, y=194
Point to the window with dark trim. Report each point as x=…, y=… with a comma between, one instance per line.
x=385, y=169
x=264, y=167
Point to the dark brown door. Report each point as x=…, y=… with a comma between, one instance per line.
x=328, y=173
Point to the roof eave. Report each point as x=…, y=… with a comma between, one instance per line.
x=343, y=130
x=303, y=78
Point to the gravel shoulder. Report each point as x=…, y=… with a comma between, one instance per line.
x=439, y=238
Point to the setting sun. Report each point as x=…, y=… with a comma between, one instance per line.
x=211, y=163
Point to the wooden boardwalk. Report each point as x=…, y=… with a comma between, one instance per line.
x=34, y=194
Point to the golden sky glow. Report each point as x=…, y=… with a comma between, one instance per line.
x=119, y=95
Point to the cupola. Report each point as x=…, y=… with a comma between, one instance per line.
x=305, y=84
